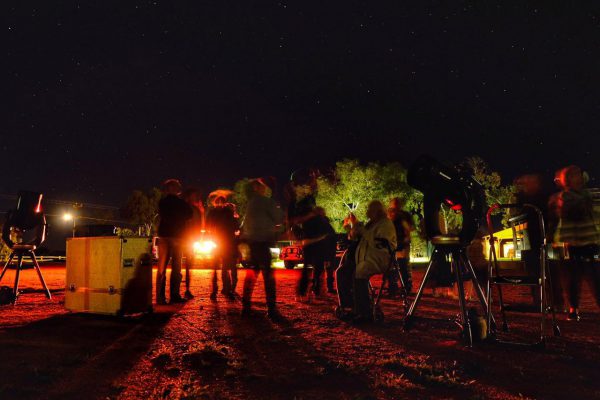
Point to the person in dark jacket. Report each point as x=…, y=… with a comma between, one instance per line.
x=222, y=225
x=319, y=246
x=309, y=224
x=174, y=214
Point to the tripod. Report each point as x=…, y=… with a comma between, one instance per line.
x=20, y=251
x=451, y=248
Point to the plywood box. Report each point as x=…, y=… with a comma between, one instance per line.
x=109, y=275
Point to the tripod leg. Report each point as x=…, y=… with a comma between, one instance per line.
x=17, y=276
x=489, y=295
x=10, y=258
x=403, y=291
x=415, y=302
x=39, y=272
x=456, y=264
x=478, y=289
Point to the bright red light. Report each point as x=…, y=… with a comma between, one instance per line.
x=455, y=207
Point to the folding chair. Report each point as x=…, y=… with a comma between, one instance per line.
x=542, y=281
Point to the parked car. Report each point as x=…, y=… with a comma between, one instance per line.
x=291, y=256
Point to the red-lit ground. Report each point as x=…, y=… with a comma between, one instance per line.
x=205, y=350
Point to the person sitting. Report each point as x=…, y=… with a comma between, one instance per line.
x=371, y=257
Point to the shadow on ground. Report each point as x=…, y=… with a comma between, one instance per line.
x=67, y=355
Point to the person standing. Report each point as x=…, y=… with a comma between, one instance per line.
x=319, y=246
x=557, y=264
x=404, y=224
x=309, y=224
x=195, y=225
x=577, y=230
x=262, y=220
x=222, y=224
x=174, y=214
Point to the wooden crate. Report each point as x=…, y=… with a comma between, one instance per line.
x=109, y=275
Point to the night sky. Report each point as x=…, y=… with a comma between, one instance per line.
x=103, y=98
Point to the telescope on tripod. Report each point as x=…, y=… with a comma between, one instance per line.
x=23, y=232
x=456, y=188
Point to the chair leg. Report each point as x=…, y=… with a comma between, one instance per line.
x=17, y=276
x=10, y=258
x=502, y=310
x=39, y=272
x=549, y=295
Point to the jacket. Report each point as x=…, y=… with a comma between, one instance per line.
x=372, y=257
x=174, y=214
x=576, y=226
x=262, y=220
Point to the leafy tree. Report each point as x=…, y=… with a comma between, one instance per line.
x=141, y=208
x=350, y=186
x=491, y=181
x=241, y=193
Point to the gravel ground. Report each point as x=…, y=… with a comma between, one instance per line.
x=205, y=350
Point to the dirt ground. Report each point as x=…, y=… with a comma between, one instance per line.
x=205, y=350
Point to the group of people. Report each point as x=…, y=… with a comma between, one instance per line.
x=568, y=216
x=183, y=219
x=386, y=234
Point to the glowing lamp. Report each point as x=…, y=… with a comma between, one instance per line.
x=204, y=246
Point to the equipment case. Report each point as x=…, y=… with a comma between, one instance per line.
x=109, y=275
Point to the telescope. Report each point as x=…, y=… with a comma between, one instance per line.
x=27, y=219
x=458, y=189
x=453, y=186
